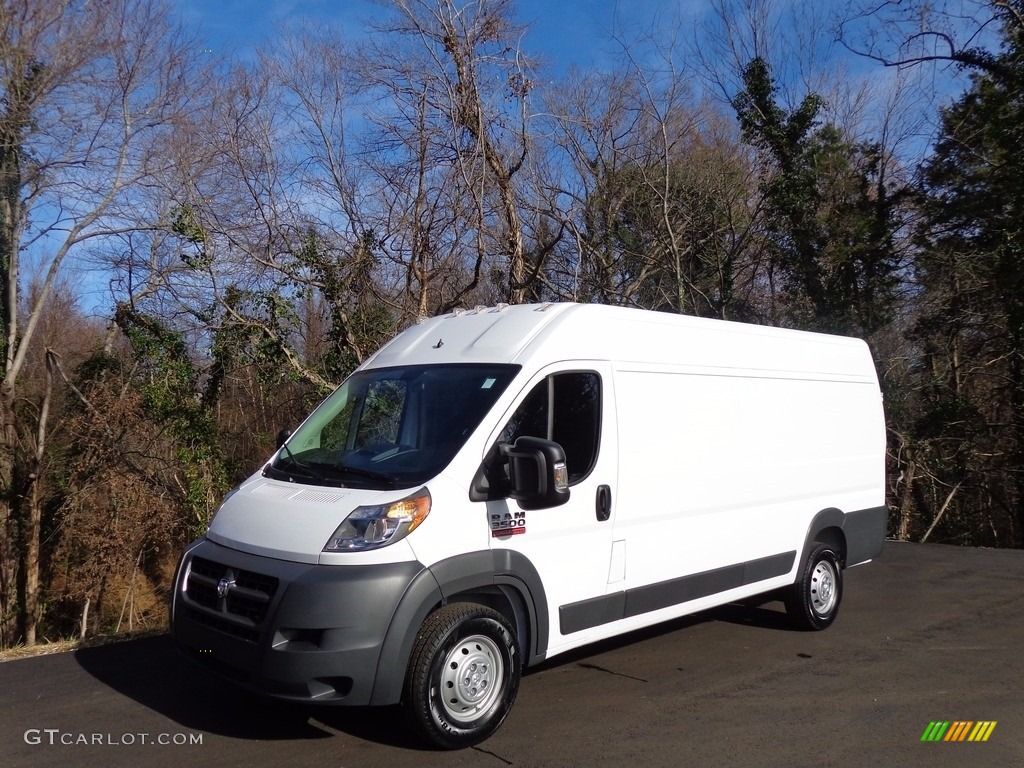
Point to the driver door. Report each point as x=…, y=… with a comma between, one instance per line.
x=569, y=545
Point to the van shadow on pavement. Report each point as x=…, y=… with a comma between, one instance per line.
x=152, y=672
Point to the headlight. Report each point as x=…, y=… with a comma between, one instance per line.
x=380, y=525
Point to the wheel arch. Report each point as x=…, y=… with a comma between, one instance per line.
x=827, y=528
x=502, y=580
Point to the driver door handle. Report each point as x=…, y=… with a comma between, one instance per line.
x=604, y=502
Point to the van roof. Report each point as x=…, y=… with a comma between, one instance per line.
x=539, y=334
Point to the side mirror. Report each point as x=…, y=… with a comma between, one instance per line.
x=537, y=473
x=283, y=436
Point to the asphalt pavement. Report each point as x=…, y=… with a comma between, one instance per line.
x=925, y=634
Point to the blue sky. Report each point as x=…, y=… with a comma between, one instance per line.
x=565, y=31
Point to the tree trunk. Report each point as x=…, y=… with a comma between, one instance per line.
x=906, y=502
x=18, y=91
x=8, y=525
x=35, y=512
x=32, y=565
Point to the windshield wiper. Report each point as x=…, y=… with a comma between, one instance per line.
x=304, y=469
x=367, y=473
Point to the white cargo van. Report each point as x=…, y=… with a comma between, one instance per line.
x=497, y=486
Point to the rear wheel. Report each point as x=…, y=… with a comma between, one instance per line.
x=813, y=601
x=463, y=675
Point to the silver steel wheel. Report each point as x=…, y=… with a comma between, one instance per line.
x=824, y=592
x=463, y=675
x=471, y=678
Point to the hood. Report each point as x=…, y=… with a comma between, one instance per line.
x=288, y=521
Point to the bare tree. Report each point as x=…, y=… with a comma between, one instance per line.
x=658, y=183
x=64, y=336
x=278, y=226
x=90, y=91
x=458, y=79
x=901, y=33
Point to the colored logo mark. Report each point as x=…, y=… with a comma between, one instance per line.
x=959, y=730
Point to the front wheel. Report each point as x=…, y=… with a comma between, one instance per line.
x=463, y=675
x=813, y=601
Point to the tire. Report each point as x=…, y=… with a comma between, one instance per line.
x=813, y=601
x=463, y=675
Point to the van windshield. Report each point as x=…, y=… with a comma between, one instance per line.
x=391, y=427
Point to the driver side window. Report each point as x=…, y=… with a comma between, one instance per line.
x=565, y=408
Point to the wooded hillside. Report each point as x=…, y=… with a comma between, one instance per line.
x=194, y=249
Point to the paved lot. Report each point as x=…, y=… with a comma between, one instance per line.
x=925, y=633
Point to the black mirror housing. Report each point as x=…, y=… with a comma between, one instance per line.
x=537, y=473
x=282, y=436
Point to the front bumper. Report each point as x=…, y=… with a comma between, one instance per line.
x=290, y=630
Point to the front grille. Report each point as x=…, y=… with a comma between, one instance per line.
x=244, y=606
x=222, y=625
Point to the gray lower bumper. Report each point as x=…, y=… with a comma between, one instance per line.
x=290, y=630
x=865, y=534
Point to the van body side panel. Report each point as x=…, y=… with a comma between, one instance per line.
x=727, y=467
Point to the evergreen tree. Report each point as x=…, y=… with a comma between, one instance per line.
x=970, y=329
x=831, y=213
